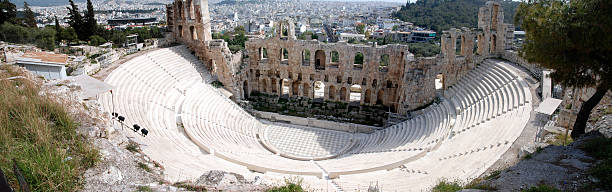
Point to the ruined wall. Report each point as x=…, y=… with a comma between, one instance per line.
x=389, y=75
x=189, y=21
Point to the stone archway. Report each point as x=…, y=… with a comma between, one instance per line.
x=380, y=97
x=318, y=90
x=343, y=94
x=367, y=97
x=320, y=60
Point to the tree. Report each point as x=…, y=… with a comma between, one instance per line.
x=8, y=11
x=57, y=26
x=90, y=20
x=76, y=20
x=29, y=17
x=96, y=40
x=572, y=38
x=45, y=39
x=360, y=28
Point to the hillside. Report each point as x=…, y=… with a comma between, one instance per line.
x=440, y=15
x=43, y=3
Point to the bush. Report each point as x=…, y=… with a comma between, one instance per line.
x=41, y=137
x=133, y=147
x=446, y=186
x=290, y=187
x=542, y=188
x=96, y=40
x=144, y=166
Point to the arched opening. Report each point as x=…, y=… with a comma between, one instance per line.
x=374, y=83
x=306, y=90
x=358, y=61
x=194, y=34
x=284, y=56
x=355, y=96
x=180, y=29
x=295, y=88
x=389, y=84
x=284, y=30
x=384, y=63
x=493, y=43
x=180, y=9
x=320, y=60
x=335, y=59
x=380, y=97
x=367, y=97
x=190, y=9
x=319, y=90
x=285, y=87
x=343, y=93
x=458, y=45
x=332, y=92
x=306, y=57
x=245, y=89
x=439, y=82
x=263, y=53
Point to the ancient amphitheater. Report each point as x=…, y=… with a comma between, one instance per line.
x=455, y=132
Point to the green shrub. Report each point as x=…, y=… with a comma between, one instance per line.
x=144, y=166
x=446, y=186
x=542, y=188
x=133, y=147
x=290, y=187
x=144, y=189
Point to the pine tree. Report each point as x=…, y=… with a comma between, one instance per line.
x=90, y=20
x=76, y=20
x=29, y=19
x=8, y=11
x=572, y=38
x=58, y=28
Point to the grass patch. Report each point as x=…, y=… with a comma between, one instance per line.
x=144, y=189
x=144, y=166
x=560, y=140
x=290, y=186
x=542, y=188
x=133, y=147
x=41, y=136
x=493, y=175
x=447, y=186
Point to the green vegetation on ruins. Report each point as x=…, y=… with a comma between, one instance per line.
x=38, y=134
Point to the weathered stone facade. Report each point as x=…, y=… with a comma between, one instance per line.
x=388, y=75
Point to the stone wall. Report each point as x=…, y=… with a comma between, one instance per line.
x=388, y=75
x=312, y=122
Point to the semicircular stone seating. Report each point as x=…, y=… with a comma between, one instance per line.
x=459, y=137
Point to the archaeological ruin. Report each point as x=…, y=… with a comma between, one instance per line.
x=340, y=116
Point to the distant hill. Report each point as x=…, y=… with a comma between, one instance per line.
x=19, y=3
x=440, y=15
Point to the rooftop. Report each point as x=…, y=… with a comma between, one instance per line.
x=44, y=57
